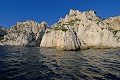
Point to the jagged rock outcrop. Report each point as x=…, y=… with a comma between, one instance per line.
x=113, y=22
x=78, y=30
x=89, y=29
x=27, y=33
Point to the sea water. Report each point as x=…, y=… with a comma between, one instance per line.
x=33, y=63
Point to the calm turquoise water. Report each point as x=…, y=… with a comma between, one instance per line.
x=28, y=63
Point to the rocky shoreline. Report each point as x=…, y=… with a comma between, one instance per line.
x=78, y=30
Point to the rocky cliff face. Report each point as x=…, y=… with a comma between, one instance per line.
x=113, y=22
x=86, y=30
x=63, y=39
x=78, y=30
x=27, y=33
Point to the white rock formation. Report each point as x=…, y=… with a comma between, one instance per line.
x=78, y=30
x=61, y=39
x=90, y=31
x=68, y=40
x=113, y=22
x=27, y=33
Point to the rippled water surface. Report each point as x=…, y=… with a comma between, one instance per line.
x=28, y=63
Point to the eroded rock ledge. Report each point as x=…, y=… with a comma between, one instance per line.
x=78, y=30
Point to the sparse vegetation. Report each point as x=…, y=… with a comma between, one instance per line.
x=18, y=31
x=98, y=21
x=63, y=28
x=108, y=23
x=49, y=27
x=71, y=23
x=56, y=28
x=115, y=32
x=112, y=30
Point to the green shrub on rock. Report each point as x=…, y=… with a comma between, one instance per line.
x=63, y=28
x=56, y=28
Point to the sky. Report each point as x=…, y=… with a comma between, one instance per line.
x=12, y=11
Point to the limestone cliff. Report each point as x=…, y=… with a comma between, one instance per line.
x=113, y=22
x=87, y=30
x=78, y=30
x=63, y=39
x=27, y=33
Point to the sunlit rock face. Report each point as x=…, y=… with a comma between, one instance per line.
x=88, y=31
x=27, y=33
x=65, y=39
x=113, y=22
x=78, y=30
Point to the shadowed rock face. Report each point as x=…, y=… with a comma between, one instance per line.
x=78, y=30
x=2, y=31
